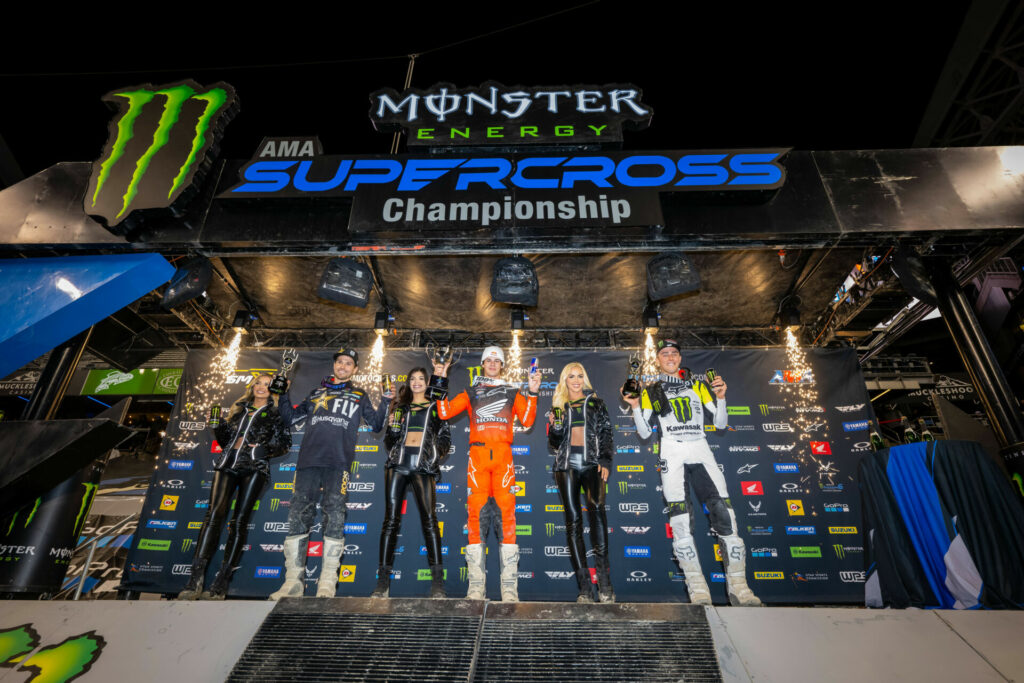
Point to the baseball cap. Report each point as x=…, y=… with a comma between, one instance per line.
x=493, y=352
x=351, y=353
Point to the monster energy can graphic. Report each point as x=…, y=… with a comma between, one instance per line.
x=159, y=147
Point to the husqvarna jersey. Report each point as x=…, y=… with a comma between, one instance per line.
x=685, y=420
x=492, y=405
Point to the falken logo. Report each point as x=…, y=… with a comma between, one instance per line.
x=355, y=528
x=747, y=468
x=858, y=426
x=162, y=524
x=366, y=486
x=850, y=409
x=777, y=427
x=744, y=449
x=779, y=448
x=524, y=507
x=182, y=121
x=191, y=426
x=179, y=464
x=787, y=467
x=635, y=530
x=800, y=531
x=636, y=508
x=637, y=551
x=520, y=450
x=852, y=577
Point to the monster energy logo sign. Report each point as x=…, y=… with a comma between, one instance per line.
x=463, y=574
x=28, y=520
x=90, y=492
x=58, y=663
x=157, y=146
x=838, y=549
x=474, y=372
x=549, y=528
x=186, y=543
x=622, y=487
x=354, y=469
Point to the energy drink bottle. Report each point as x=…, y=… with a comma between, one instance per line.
x=214, y=420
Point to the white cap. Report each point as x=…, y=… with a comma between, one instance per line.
x=493, y=352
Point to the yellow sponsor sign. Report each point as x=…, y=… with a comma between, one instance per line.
x=195, y=525
x=795, y=507
x=554, y=508
x=440, y=528
x=367, y=449
x=718, y=553
x=169, y=503
x=520, y=488
x=348, y=573
x=630, y=468
x=284, y=485
x=842, y=529
x=769, y=575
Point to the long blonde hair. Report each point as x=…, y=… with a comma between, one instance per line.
x=249, y=396
x=561, y=396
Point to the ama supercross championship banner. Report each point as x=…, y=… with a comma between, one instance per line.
x=789, y=458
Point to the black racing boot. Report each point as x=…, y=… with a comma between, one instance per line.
x=218, y=590
x=383, y=583
x=194, y=586
x=583, y=581
x=437, y=582
x=605, y=592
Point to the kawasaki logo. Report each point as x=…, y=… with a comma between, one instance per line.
x=157, y=146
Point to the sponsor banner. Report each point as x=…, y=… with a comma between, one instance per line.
x=634, y=497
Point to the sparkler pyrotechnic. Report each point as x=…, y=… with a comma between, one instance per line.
x=650, y=367
x=376, y=367
x=513, y=372
x=214, y=377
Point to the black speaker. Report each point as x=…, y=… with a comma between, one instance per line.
x=346, y=281
x=671, y=273
x=515, y=282
x=188, y=282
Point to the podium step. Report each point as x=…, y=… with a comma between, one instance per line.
x=359, y=639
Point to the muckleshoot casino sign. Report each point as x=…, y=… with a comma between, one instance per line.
x=490, y=157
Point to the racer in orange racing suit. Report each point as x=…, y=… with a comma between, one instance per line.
x=492, y=405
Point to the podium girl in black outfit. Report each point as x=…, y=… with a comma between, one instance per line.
x=580, y=439
x=250, y=436
x=417, y=441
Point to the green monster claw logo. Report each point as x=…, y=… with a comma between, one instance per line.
x=1019, y=481
x=90, y=493
x=168, y=145
x=28, y=520
x=59, y=663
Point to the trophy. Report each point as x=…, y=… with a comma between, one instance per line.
x=279, y=384
x=440, y=355
x=631, y=388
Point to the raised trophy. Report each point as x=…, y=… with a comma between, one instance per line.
x=279, y=384
x=631, y=388
x=440, y=355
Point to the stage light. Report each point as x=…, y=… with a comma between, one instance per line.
x=383, y=321
x=789, y=317
x=515, y=282
x=651, y=318
x=518, y=318
x=671, y=273
x=346, y=281
x=243, y=321
x=188, y=282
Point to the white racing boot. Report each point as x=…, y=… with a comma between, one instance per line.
x=509, y=572
x=294, y=568
x=734, y=560
x=327, y=584
x=686, y=556
x=476, y=572
x=696, y=585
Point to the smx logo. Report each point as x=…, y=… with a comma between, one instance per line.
x=156, y=146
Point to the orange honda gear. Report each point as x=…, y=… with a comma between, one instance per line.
x=492, y=409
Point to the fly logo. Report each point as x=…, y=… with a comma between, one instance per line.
x=850, y=409
x=780, y=448
x=559, y=575
x=635, y=530
x=821, y=448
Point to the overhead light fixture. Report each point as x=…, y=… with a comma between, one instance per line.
x=789, y=317
x=651, y=318
x=346, y=281
x=518, y=318
x=671, y=273
x=515, y=282
x=243, y=320
x=383, y=321
x=188, y=282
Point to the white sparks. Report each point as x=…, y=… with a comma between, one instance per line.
x=513, y=372
x=376, y=368
x=213, y=378
x=650, y=366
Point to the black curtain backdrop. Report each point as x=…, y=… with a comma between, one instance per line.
x=796, y=502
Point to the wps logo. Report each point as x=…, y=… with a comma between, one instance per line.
x=777, y=427
x=556, y=551
x=636, y=508
x=275, y=527
x=360, y=486
x=157, y=146
x=852, y=577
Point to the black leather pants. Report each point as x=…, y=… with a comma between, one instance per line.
x=569, y=482
x=395, y=483
x=245, y=490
